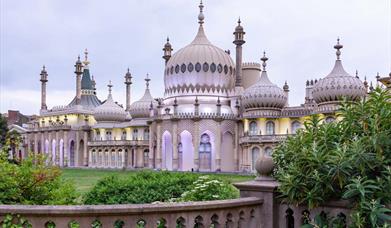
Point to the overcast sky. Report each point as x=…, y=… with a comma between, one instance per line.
x=298, y=37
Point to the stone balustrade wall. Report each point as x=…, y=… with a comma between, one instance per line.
x=222, y=213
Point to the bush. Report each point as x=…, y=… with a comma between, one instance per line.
x=144, y=187
x=349, y=159
x=33, y=182
x=205, y=188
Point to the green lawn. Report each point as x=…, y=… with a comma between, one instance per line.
x=85, y=179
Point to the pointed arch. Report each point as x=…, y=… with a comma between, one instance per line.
x=186, y=151
x=167, y=150
x=72, y=153
x=227, y=152
x=53, y=155
x=206, y=151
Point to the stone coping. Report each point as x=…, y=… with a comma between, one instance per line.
x=128, y=209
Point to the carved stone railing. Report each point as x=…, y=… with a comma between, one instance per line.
x=262, y=138
x=241, y=213
x=119, y=143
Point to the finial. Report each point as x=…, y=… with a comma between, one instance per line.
x=109, y=86
x=338, y=46
x=264, y=59
x=357, y=74
x=168, y=39
x=239, y=21
x=377, y=75
x=201, y=16
x=218, y=100
x=86, y=62
x=147, y=81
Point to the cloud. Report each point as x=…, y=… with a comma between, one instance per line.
x=297, y=35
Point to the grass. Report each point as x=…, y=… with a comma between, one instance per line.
x=85, y=179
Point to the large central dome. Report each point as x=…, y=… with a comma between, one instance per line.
x=199, y=68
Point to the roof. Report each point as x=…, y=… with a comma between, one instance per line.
x=86, y=82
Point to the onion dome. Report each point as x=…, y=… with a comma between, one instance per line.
x=141, y=108
x=338, y=84
x=109, y=111
x=264, y=94
x=200, y=67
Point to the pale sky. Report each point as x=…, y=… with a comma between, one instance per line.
x=298, y=37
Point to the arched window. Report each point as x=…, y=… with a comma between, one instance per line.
x=253, y=128
x=146, y=158
x=146, y=134
x=255, y=152
x=268, y=151
x=97, y=138
x=270, y=128
x=93, y=157
x=135, y=134
x=112, y=163
x=205, y=153
x=296, y=125
x=329, y=119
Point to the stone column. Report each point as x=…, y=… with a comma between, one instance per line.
x=76, y=158
x=218, y=148
x=42, y=142
x=57, y=152
x=90, y=158
x=35, y=145
x=85, y=154
x=159, y=147
x=175, y=146
x=196, y=144
x=50, y=147
x=123, y=158
x=65, y=152
x=151, y=152
x=236, y=146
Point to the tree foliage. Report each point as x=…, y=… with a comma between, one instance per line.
x=347, y=159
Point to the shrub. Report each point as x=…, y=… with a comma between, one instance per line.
x=33, y=182
x=349, y=159
x=149, y=186
x=207, y=188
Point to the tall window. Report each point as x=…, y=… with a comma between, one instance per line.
x=296, y=125
x=253, y=128
x=146, y=134
x=146, y=158
x=270, y=128
x=93, y=157
x=268, y=151
x=123, y=137
x=254, y=156
x=205, y=153
x=135, y=134
x=98, y=135
x=108, y=135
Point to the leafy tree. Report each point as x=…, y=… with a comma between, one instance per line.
x=3, y=130
x=347, y=159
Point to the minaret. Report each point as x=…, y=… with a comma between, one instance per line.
x=44, y=80
x=128, y=82
x=167, y=50
x=93, y=84
x=286, y=92
x=78, y=72
x=239, y=41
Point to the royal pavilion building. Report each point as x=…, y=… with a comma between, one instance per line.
x=217, y=113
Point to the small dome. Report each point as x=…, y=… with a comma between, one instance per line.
x=109, y=111
x=141, y=108
x=338, y=84
x=264, y=94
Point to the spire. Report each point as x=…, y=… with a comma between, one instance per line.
x=86, y=62
x=147, y=82
x=109, y=86
x=128, y=77
x=264, y=59
x=338, y=46
x=201, y=16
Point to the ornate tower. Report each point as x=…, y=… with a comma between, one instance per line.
x=44, y=80
x=128, y=82
x=78, y=72
x=286, y=92
x=239, y=41
x=167, y=50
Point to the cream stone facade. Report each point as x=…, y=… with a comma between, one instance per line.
x=216, y=114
